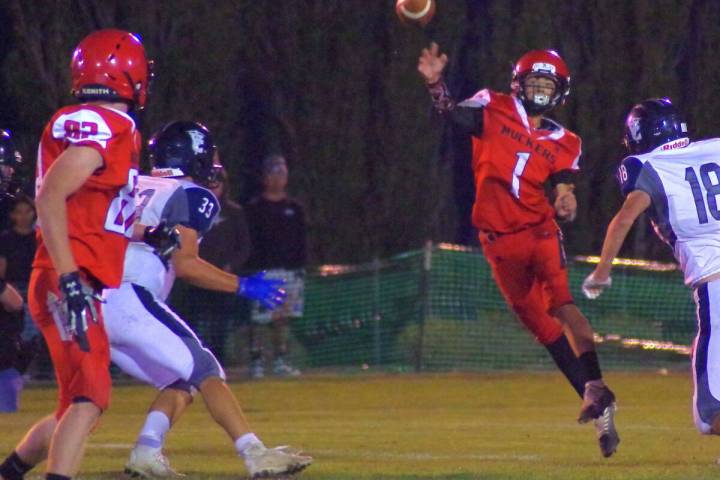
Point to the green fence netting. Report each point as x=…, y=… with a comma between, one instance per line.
x=438, y=309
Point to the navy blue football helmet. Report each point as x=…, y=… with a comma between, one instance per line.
x=652, y=123
x=9, y=156
x=184, y=149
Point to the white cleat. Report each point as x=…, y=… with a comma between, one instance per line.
x=608, y=438
x=149, y=463
x=263, y=462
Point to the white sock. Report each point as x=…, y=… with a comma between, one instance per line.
x=153, y=432
x=245, y=442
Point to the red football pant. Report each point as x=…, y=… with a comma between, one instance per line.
x=529, y=269
x=80, y=375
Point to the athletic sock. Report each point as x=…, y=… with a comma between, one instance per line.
x=13, y=468
x=565, y=359
x=55, y=476
x=153, y=432
x=246, y=441
x=591, y=365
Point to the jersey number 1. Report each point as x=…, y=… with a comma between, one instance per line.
x=520, y=164
x=713, y=190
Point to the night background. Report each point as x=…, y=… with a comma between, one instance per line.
x=333, y=85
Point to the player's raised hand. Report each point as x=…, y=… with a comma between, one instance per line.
x=593, y=286
x=267, y=291
x=431, y=63
x=78, y=303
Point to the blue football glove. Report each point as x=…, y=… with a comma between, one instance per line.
x=78, y=302
x=266, y=291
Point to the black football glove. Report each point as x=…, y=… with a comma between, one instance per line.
x=163, y=238
x=78, y=301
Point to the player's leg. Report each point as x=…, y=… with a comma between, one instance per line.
x=83, y=377
x=510, y=260
x=706, y=360
x=149, y=350
x=598, y=400
x=31, y=450
x=208, y=377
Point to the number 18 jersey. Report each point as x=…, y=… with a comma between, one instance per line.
x=683, y=182
x=102, y=211
x=512, y=161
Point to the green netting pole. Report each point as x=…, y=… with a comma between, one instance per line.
x=377, y=341
x=424, y=301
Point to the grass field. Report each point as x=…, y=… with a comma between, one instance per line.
x=450, y=426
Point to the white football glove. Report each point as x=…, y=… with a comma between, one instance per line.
x=593, y=288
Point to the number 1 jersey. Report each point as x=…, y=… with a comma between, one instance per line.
x=512, y=161
x=101, y=213
x=683, y=182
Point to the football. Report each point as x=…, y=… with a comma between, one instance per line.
x=415, y=12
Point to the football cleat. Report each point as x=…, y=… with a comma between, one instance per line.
x=263, y=462
x=149, y=463
x=608, y=438
x=596, y=399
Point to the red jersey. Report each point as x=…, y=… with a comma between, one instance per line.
x=101, y=213
x=511, y=162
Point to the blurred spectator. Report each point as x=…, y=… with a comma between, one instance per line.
x=227, y=246
x=17, y=249
x=279, y=237
x=15, y=354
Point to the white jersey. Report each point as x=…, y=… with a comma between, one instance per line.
x=177, y=202
x=684, y=185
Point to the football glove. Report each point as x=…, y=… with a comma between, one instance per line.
x=162, y=238
x=593, y=288
x=78, y=301
x=267, y=291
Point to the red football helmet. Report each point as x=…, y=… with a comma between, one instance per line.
x=111, y=65
x=543, y=63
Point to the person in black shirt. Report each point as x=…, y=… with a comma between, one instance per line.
x=15, y=354
x=278, y=235
x=17, y=250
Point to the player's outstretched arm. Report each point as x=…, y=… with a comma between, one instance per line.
x=193, y=269
x=431, y=64
x=635, y=204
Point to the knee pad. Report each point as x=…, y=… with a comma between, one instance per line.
x=206, y=366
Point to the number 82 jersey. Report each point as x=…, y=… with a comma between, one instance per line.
x=177, y=202
x=683, y=182
x=101, y=212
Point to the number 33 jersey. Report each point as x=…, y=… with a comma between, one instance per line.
x=102, y=211
x=512, y=161
x=683, y=182
x=177, y=202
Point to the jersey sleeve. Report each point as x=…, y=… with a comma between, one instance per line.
x=203, y=207
x=88, y=128
x=627, y=174
x=113, y=136
x=176, y=210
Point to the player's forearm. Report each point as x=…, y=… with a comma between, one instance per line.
x=10, y=298
x=614, y=238
x=52, y=217
x=462, y=117
x=202, y=274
